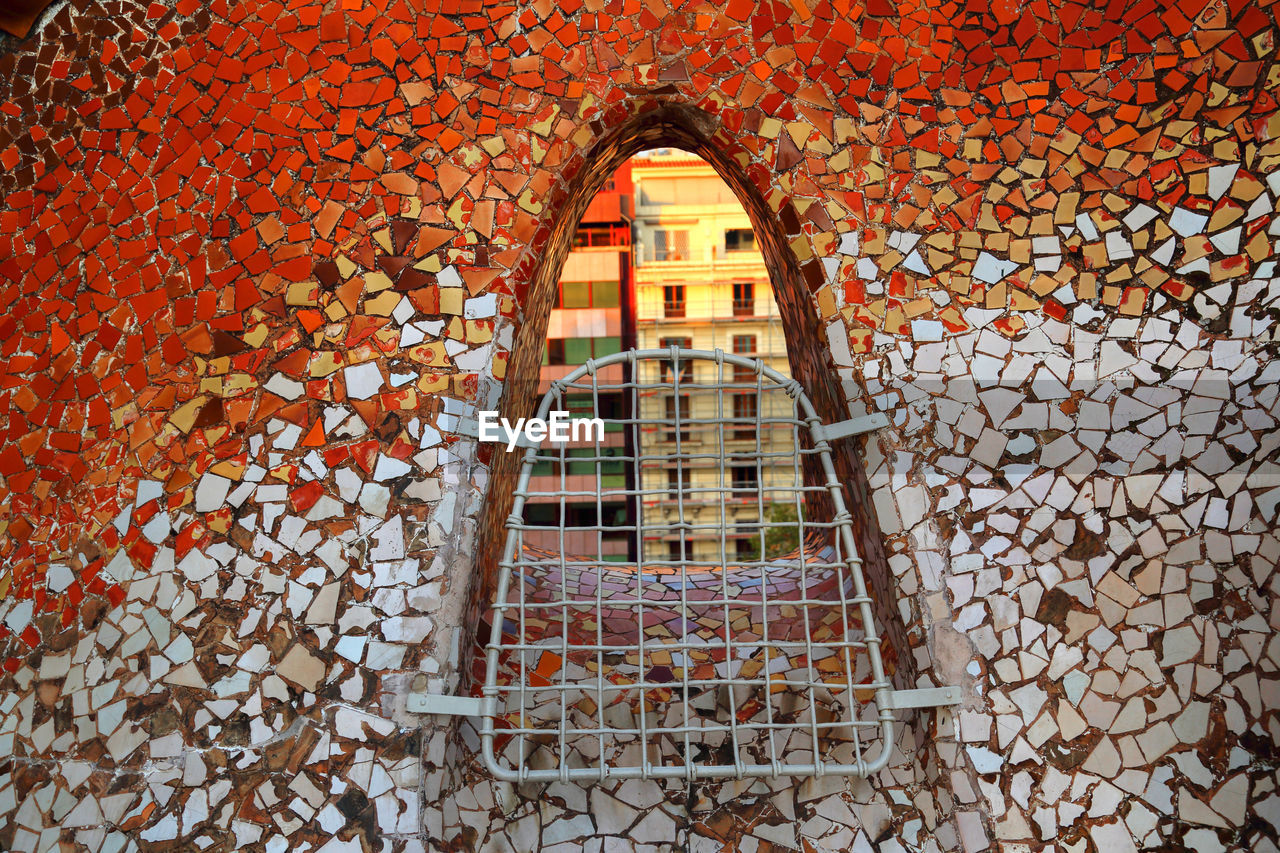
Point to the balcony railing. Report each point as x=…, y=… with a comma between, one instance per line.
x=650, y=254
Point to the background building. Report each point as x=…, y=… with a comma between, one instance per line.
x=701, y=283
x=593, y=317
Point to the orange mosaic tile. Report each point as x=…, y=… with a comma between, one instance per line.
x=256, y=256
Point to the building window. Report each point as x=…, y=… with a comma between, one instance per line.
x=575, y=294
x=577, y=350
x=670, y=245
x=592, y=461
x=602, y=236
x=686, y=365
x=744, y=345
x=678, y=483
x=605, y=294
x=739, y=240
x=675, y=551
x=744, y=298
x=608, y=406
x=744, y=478
x=745, y=407
x=588, y=294
x=673, y=304
x=600, y=347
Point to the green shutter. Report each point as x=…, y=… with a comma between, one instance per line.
x=577, y=294
x=604, y=294
x=577, y=350
x=607, y=346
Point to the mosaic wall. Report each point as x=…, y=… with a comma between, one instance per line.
x=257, y=258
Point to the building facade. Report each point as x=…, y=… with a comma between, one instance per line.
x=593, y=316
x=702, y=283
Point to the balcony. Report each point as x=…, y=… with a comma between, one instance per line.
x=609, y=207
x=698, y=256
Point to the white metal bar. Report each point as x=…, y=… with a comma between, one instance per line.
x=684, y=598
x=851, y=427
x=924, y=697
x=438, y=703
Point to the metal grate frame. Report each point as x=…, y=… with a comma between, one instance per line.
x=774, y=666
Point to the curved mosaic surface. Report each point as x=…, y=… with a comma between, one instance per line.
x=249, y=253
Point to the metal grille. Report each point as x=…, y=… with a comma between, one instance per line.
x=708, y=624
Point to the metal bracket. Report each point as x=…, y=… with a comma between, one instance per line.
x=469, y=427
x=439, y=703
x=522, y=441
x=458, y=417
x=924, y=697
x=851, y=427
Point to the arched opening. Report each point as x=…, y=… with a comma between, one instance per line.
x=777, y=231
x=664, y=256
x=679, y=594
